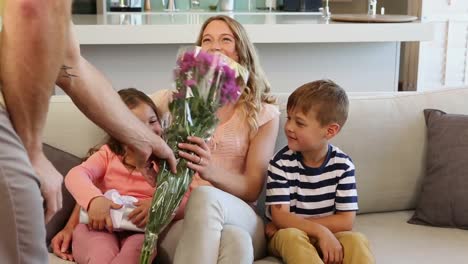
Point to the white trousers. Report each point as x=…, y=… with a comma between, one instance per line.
x=218, y=228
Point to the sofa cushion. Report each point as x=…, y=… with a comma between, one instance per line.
x=69, y=129
x=63, y=162
x=443, y=196
x=392, y=240
x=385, y=135
x=53, y=259
x=382, y=131
x=269, y=260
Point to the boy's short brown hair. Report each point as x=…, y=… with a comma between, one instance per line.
x=325, y=97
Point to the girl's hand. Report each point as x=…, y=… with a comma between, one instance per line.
x=99, y=213
x=139, y=215
x=61, y=243
x=200, y=160
x=331, y=248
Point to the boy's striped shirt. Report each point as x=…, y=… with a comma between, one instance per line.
x=312, y=192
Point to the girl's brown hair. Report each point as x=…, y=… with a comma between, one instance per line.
x=132, y=97
x=257, y=90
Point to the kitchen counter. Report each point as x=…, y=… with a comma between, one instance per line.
x=139, y=49
x=262, y=27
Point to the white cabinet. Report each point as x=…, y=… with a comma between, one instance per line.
x=443, y=62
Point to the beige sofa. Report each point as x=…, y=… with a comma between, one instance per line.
x=386, y=137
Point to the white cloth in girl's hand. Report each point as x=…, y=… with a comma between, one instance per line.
x=119, y=217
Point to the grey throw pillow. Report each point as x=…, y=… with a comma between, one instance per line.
x=63, y=162
x=443, y=200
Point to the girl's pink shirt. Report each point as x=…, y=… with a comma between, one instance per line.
x=103, y=171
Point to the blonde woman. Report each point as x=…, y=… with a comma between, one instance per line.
x=220, y=224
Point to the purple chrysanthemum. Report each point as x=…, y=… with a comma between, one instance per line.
x=230, y=90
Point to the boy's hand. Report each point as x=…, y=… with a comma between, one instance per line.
x=139, y=215
x=99, y=213
x=270, y=230
x=330, y=247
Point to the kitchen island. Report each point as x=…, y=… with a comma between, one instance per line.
x=138, y=49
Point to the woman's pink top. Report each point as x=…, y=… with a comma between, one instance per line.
x=103, y=171
x=231, y=140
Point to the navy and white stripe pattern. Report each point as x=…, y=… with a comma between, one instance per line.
x=312, y=192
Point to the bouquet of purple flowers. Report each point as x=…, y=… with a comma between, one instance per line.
x=204, y=82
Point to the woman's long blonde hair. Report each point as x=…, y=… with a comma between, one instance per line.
x=257, y=90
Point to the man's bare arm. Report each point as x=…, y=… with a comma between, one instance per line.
x=96, y=98
x=33, y=43
x=31, y=52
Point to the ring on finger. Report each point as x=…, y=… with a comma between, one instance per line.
x=200, y=160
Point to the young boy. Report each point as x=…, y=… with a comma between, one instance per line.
x=311, y=190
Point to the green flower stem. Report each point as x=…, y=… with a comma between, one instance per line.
x=170, y=191
x=192, y=115
x=171, y=188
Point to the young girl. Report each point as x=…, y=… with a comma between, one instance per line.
x=112, y=167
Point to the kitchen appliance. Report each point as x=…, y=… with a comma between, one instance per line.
x=302, y=5
x=270, y=4
x=226, y=5
x=169, y=5
x=372, y=10
x=125, y=6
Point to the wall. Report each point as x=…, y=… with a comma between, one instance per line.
x=358, y=67
x=443, y=62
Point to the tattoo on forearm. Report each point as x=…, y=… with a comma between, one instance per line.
x=65, y=72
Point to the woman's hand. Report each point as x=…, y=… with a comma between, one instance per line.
x=99, y=213
x=61, y=243
x=200, y=160
x=139, y=215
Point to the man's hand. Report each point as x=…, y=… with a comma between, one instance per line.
x=330, y=247
x=99, y=213
x=51, y=184
x=154, y=150
x=61, y=243
x=139, y=215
